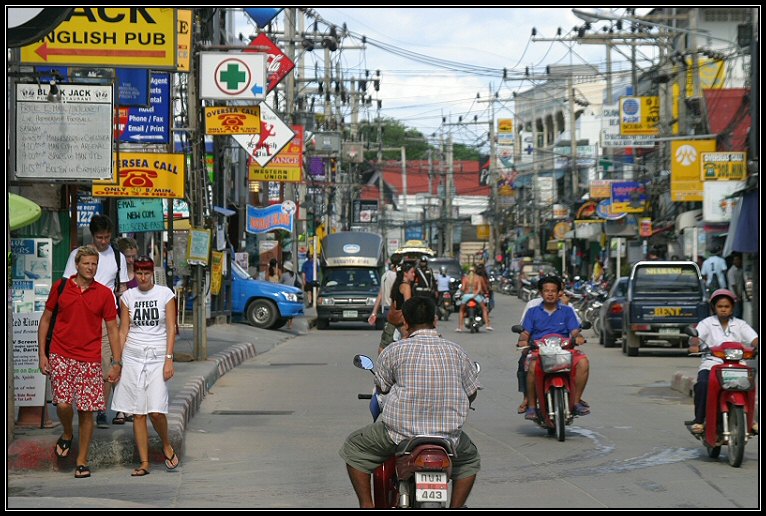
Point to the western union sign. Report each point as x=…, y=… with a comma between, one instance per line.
x=141, y=37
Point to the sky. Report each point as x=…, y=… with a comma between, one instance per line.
x=472, y=47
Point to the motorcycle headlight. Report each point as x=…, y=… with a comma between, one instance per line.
x=552, y=341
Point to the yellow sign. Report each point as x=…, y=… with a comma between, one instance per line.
x=286, y=166
x=601, y=189
x=216, y=269
x=639, y=116
x=142, y=37
x=144, y=175
x=223, y=120
x=505, y=125
x=482, y=232
x=184, y=37
x=723, y=166
x=685, y=183
x=712, y=75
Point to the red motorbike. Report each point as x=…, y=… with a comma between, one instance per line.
x=418, y=475
x=554, y=381
x=730, y=401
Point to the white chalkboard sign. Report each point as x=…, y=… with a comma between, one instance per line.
x=66, y=136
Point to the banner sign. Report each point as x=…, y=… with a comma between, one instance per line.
x=264, y=220
x=28, y=381
x=628, y=197
x=685, y=183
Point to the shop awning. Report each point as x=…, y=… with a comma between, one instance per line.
x=746, y=233
x=21, y=211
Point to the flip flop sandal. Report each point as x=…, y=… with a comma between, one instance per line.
x=172, y=462
x=82, y=472
x=140, y=472
x=65, y=445
x=119, y=419
x=522, y=408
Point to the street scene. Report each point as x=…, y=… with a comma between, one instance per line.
x=371, y=257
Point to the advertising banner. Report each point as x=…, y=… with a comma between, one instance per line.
x=145, y=175
x=277, y=216
x=685, y=183
x=28, y=381
x=639, y=116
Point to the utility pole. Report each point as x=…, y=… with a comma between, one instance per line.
x=493, y=213
x=573, y=142
x=449, y=192
x=291, y=192
x=381, y=200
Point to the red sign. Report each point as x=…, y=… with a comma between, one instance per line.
x=278, y=64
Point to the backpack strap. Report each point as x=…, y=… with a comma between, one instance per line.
x=62, y=285
x=119, y=263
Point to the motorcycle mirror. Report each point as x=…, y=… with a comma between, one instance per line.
x=691, y=331
x=586, y=325
x=517, y=328
x=363, y=362
x=478, y=367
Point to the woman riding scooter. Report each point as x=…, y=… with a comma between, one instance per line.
x=714, y=330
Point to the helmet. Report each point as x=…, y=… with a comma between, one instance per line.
x=722, y=292
x=443, y=269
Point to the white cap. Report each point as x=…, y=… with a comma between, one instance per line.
x=288, y=266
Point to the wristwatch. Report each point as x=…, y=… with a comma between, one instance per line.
x=117, y=362
x=170, y=356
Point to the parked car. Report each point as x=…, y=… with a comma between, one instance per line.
x=262, y=303
x=610, y=316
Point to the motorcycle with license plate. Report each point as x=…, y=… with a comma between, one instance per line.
x=730, y=403
x=418, y=474
x=445, y=305
x=554, y=381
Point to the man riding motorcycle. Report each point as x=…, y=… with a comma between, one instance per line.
x=553, y=316
x=421, y=370
x=712, y=331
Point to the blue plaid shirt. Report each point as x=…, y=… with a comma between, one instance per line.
x=428, y=380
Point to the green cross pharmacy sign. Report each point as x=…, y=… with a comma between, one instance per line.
x=227, y=76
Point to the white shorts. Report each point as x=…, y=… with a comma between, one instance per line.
x=142, y=388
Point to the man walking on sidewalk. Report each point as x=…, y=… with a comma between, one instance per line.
x=74, y=364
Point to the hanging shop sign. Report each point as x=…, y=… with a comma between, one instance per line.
x=142, y=37
x=639, y=116
x=230, y=76
x=147, y=124
x=286, y=167
x=273, y=136
x=723, y=166
x=277, y=216
x=228, y=120
x=145, y=175
x=278, y=65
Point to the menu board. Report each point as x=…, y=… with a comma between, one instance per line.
x=66, y=135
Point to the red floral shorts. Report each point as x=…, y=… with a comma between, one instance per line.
x=72, y=380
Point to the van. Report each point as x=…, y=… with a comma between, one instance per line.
x=351, y=264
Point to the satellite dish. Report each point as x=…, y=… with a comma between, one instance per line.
x=29, y=24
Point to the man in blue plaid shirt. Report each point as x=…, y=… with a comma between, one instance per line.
x=422, y=369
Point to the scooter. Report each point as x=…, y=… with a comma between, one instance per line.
x=474, y=316
x=445, y=306
x=554, y=381
x=418, y=475
x=730, y=400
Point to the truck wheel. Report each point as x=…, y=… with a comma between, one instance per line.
x=323, y=324
x=632, y=343
x=262, y=313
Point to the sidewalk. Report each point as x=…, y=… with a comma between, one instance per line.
x=228, y=345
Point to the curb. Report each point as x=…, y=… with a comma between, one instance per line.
x=683, y=383
x=36, y=452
